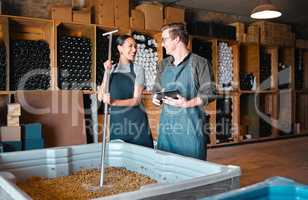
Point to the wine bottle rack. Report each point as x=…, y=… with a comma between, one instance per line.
x=75, y=56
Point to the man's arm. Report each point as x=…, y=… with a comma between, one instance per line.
x=205, y=82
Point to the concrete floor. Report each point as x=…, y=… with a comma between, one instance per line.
x=258, y=161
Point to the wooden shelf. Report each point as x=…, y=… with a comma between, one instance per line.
x=5, y=92
x=258, y=91
x=304, y=91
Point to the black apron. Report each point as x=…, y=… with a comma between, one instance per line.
x=129, y=124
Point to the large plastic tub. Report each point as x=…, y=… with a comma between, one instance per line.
x=275, y=188
x=178, y=177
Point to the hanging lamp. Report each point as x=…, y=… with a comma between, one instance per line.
x=265, y=10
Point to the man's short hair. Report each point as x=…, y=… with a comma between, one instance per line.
x=177, y=30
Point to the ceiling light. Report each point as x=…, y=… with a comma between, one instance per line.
x=265, y=10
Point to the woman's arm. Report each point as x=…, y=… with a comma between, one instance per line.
x=136, y=100
x=101, y=89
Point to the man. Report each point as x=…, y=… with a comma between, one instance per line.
x=181, y=128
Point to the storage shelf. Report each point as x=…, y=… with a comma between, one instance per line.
x=304, y=91
x=258, y=91
x=5, y=92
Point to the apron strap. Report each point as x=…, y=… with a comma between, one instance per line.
x=181, y=70
x=132, y=71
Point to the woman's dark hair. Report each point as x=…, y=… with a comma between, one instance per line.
x=121, y=39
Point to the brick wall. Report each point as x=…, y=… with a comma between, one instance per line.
x=30, y=8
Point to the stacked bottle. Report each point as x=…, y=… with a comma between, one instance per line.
x=299, y=68
x=225, y=66
x=246, y=81
x=265, y=69
x=224, y=119
x=30, y=65
x=202, y=48
x=2, y=66
x=147, y=57
x=74, y=62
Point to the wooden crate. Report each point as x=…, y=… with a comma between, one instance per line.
x=174, y=15
x=61, y=13
x=121, y=14
x=275, y=34
x=23, y=28
x=250, y=60
x=137, y=19
x=78, y=30
x=153, y=14
x=250, y=63
x=256, y=106
x=82, y=16
x=104, y=12
x=253, y=34
x=4, y=37
x=240, y=31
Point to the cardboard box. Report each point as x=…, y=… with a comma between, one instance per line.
x=82, y=16
x=137, y=19
x=121, y=14
x=174, y=15
x=61, y=13
x=153, y=15
x=32, y=131
x=30, y=144
x=13, y=109
x=10, y=133
x=12, y=120
x=11, y=146
x=104, y=12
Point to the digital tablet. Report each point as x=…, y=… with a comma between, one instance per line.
x=171, y=93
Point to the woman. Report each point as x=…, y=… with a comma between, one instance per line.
x=128, y=120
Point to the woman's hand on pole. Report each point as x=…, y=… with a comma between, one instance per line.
x=100, y=92
x=106, y=98
x=108, y=65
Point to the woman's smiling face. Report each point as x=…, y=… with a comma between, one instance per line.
x=128, y=49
